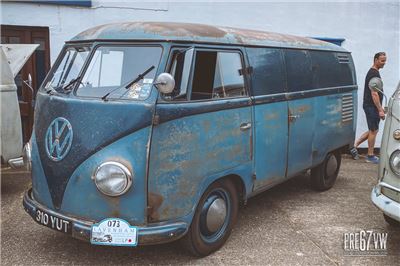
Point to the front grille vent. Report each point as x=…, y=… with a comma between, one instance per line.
x=347, y=108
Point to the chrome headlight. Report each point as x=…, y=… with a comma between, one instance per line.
x=396, y=134
x=27, y=156
x=395, y=162
x=113, y=179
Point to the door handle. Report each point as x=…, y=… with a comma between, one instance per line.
x=245, y=126
x=293, y=118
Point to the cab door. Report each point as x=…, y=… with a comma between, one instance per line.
x=301, y=113
x=203, y=129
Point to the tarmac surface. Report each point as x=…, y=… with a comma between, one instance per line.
x=289, y=224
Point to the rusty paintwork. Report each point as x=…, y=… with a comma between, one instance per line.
x=188, y=32
x=154, y=202
x=177, y=150
x=186, y=151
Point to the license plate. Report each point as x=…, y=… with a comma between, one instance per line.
x=52, y=221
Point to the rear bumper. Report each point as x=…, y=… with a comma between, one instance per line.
x=81, y=229
x=16, y=163
x=390, y=207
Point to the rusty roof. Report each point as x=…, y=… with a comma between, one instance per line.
x=188, y=32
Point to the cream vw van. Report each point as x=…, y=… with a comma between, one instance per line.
x=386, y=194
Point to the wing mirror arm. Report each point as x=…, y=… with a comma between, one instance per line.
x=28, y=83
x=165, y=83
x=376, y=84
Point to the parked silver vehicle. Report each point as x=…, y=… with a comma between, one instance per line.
x=12, y=59
x=386, y=194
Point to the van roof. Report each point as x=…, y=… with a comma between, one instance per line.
x=199, y=33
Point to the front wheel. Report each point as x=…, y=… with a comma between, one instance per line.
x=215, y=216
x=323, y=176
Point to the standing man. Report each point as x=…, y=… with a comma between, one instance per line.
x=373, y=109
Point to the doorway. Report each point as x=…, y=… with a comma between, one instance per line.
x=38, y=66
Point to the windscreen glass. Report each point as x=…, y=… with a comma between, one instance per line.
x=120, y=72
x=67, y=69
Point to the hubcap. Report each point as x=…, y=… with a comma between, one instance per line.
x=216, y=215
x=331, y=166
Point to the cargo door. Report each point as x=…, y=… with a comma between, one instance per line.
x=301, y=113
x=270, y=116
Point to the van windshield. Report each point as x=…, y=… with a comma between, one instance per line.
x=67, y=69
x=111, y=68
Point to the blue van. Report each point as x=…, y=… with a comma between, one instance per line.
x=146, y=133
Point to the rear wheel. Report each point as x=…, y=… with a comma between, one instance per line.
x=391, y=221
x=215, y=216
x=323, y=176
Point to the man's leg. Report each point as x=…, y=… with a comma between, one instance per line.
x=371, y=141
x=361, y=139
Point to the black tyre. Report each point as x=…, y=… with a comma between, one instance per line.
x=215, y=216
x=323, y=176
x=391, y=221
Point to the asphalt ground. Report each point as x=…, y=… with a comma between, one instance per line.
x=289, y=224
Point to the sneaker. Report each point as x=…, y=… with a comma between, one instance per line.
x=354, y=153
x=372, y=159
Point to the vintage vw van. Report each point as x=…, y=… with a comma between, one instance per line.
x=150, y=132
x=386, y=194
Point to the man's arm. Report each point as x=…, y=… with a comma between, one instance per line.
x=375, y=98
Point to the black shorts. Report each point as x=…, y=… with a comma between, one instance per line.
x=373, y=118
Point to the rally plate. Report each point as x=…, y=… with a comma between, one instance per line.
x=113, y=232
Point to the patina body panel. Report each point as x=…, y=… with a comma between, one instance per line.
x=198, y=33
x=187, y=150
x=102, y=131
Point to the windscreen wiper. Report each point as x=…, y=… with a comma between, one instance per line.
x=129, y=84
x=72, y=81
x=50, y=90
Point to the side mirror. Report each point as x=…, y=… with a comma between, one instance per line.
x=30, y=80
x=165, y=83
x=376, y=84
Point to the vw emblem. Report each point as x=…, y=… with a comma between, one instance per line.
x=58, y=139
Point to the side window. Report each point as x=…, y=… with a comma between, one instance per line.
x=330, y=69
x=298, y=69
x=325, y=69
x=268, y=71
x=180, y=70
x=346, y=69
x=217, y=75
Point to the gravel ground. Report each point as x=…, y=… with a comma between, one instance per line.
x=287, y=225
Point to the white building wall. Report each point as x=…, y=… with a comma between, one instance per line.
x=368, y=27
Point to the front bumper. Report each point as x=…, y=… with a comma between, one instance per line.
x=81, y=229
x=390, y=207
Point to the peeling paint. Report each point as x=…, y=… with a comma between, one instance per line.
x=171, y=31
x=154, y=202
x=302, y=109
x=189, y=149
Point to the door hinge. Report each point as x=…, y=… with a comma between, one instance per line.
x=156, y=120
x=246, y=71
